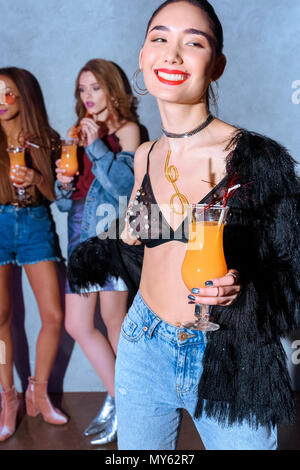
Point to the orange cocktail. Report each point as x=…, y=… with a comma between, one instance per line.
x=16, y=157
x=204, y=258
x=69, y=161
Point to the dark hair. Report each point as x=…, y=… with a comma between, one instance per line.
x=205, y=6
x=34, y=125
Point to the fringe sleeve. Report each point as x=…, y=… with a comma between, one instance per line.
x=280, y=258
x=94, y=259
x=276, y=200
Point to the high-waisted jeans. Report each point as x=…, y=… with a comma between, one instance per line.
x=158, y=369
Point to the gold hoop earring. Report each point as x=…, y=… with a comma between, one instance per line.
x=135, y=85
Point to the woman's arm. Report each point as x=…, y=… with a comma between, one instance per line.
x=114, y=172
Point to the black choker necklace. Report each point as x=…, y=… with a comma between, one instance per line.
x=193, y=132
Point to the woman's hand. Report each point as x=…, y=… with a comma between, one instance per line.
x=23, y=177
x=128, y=238
x=90, y=130
x=72, y=132
x=60, y=174
x=219, y=291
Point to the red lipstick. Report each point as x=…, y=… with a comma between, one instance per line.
x=165, y=80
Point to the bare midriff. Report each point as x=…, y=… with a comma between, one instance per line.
x=161, y=285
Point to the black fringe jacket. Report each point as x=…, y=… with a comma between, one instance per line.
x=245, y=375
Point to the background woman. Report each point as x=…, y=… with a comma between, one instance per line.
x=240, y=371
x=110, y=134
x=27, y=239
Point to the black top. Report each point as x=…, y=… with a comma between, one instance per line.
x=147, y=221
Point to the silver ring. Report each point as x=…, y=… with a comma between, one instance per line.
x=233, y=275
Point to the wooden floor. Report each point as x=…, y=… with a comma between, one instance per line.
x=35, y=434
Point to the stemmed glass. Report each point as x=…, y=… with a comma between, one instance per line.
x=69, y=161
x=204, y=258
x=17, y=158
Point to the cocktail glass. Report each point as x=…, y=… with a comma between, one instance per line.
x=204, y=258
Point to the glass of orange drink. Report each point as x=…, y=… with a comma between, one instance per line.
x=68, y=160
x=17, y=158
x=204, y=258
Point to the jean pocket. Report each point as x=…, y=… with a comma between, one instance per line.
x=38, y=213
x=132, y=330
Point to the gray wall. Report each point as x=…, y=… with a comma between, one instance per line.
x=54, y=38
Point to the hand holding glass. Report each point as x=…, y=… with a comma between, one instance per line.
x=69, y=161
x=204, y=258
x=17, y=159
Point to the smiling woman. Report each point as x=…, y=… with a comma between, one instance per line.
x=209, y=37
x=233, y=381
x=181, y=56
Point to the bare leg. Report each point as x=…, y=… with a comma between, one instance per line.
x=80, y=311
x=44, y=282
x=113, y=310
x=6, y=370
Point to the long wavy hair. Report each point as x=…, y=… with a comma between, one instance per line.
x=120, y=101
x=34, y=127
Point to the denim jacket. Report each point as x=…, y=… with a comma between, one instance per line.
x=113, y=178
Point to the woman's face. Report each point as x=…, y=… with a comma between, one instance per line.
x=10, y=100
x=178, y=58
x=91, y=94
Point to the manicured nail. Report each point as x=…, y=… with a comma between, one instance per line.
x=191, y=302
x=195, y=291
x=209, y=283
x=191, y=297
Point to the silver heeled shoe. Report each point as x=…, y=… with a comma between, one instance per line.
x=103, y=416
x=108, y=434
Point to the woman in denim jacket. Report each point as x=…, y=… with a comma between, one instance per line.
x=109, y=134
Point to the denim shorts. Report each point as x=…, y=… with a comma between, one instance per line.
x=158, y=369
x=74, y=233
x=26, y=235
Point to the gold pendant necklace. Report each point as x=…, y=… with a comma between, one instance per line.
x=172, y=174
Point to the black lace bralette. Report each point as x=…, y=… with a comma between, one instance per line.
x=148, y=223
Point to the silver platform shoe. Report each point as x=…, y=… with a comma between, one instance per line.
x=103, y=416
x=108, y=434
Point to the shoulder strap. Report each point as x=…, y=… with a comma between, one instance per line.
x=149, y=155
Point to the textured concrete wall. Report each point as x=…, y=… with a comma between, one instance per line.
x=54, y=38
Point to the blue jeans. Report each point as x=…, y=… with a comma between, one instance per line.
x=158, y=369
x=27, y=235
